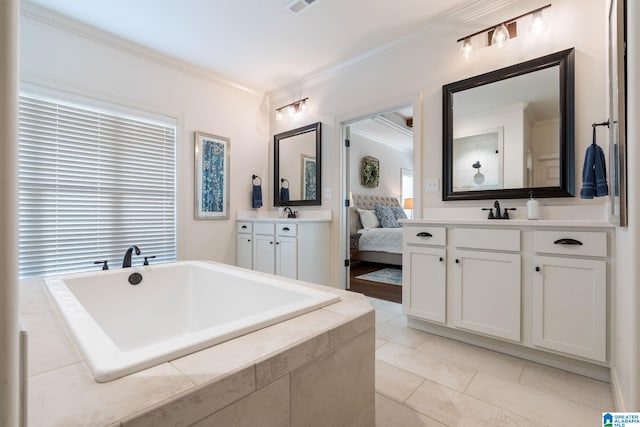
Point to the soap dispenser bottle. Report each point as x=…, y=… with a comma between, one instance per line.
x=532, y=207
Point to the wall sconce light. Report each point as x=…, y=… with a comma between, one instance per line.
x=501, y=33
x=292, y=109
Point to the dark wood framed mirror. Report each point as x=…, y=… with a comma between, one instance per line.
x=511, y=131
x=297, y=165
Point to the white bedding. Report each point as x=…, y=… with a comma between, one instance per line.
x=381, y=240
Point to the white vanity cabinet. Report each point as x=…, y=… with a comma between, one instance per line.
x=486, y=281
x=298, y=249
x=534, y=289
x=424, y=266
x=570, y=293
x=245, y=245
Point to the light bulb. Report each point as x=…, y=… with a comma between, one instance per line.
x=500, y=35
x=538, y=23
x=278, y=115
x=303, y=105
x=466, y=48
x=291, y=110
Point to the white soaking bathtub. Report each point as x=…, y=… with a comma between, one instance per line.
x=177, y=309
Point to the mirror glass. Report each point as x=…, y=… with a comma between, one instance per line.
x=510, y=131
x=297, y=166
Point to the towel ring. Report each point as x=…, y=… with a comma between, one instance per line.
x=254, y=177
x=282, y=181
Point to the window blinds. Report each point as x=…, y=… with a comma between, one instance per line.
x=92, y=184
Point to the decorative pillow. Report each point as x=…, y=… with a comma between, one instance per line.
x=368, y=219
x=386, y=217
x=398, y=212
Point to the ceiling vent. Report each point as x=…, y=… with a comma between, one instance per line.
x=297, y=6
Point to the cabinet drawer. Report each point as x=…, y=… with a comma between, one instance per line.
x=287, y=229
x=245, y=227
x=264, y=228
x=585, y=243
x=433, y=236
x=480, y=238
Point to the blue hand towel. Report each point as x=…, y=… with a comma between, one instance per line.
x=256, y=196
x=594, y=172
x=284, y=194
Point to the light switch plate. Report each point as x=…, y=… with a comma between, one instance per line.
x=327, y=192
x=432, y=185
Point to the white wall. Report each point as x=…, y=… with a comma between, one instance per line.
x=392, y=160
x=424, y=64
x=67, y=61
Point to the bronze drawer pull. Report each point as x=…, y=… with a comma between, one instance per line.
x=424, y=234
x=572, y=242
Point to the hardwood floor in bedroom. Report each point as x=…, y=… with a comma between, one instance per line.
x=378, y=290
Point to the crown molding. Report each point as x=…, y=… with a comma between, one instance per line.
x=448, y=21
x=65, y=23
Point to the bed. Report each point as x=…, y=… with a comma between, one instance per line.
x=380, y=245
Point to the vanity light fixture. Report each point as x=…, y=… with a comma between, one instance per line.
x=501, y=33
x=466, y=48
x=291, y=109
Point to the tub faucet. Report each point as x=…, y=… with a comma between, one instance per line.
x=126, y=261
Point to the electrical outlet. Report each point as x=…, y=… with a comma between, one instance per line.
x=432, y=185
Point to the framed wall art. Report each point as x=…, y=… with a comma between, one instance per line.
x=369, y=171
x=212, y=159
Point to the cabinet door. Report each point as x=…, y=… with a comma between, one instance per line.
x=487, y=293
x=569, y=306
x=286, y=257
x=264, y=253
x=245, y=251
x=424, y=283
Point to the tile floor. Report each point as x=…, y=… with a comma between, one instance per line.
x=427, y=380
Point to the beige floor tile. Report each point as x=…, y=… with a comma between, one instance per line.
x=389, y=306
x=383, y=316
x=390, y=413
x=400, y=321
x=380, y=342
x=394, y=382
x=531, y=403
x=495, y=363
x=457, y=409
x=579, y=389
x=426, y=366
x=406, y=337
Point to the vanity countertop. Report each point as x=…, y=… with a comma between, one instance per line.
x=510, y=223
x=278, y=219
x=273, y=216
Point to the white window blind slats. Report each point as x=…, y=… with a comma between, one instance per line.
x=91, y=185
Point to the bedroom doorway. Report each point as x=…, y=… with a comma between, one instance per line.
x=379, y=165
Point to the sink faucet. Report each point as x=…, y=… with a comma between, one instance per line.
x=126, y=261
x=290, y=213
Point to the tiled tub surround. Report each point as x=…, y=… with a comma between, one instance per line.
x=176, y=309
x=315, y=369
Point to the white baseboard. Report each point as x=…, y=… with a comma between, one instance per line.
x=618, y=400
